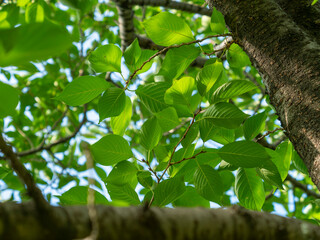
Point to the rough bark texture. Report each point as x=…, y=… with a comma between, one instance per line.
x=282, y=39
x=21, y=221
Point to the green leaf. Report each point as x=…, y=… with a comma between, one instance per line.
x=122, y=173
x=167, y=29
x=254, y=125
x=168, y=119
x=191, y=199
x=217, y=23
x=111, y=149
x=244, y=154
x=37, y=41
x=145, y=55
x=314, y=2
x=123, y=192
x=232, y=89
x=177, y=60
x=180, y=92
x=208, y=76
x=151, y=133
x=152, y=96
x=78, y=196
x=35, y=12
x=208, y=183
x=298, y=163
x=112, y=103
x=218, y=134
x=9, y=16
x=269, y=172
x=285, y=151
x=145, y=179
x=224, y=115
x=132, y=53
x=168, y=191
x=237, y=57
x=82, y=90
x=8, y=95
x=249, y=189
x=191, y=135
x=106, y=58
x=120, y=123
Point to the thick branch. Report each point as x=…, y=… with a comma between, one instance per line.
x=18, y=221
x=287, y=55
x=24, y=175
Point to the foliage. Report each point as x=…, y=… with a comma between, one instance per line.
x=162, y=130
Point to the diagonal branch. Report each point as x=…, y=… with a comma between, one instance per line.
x=59, y=141
x=303, y=187
x=32, y=189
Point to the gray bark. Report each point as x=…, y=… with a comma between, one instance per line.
x=281, y=38
x=21, y=221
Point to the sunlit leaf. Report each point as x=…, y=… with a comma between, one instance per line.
x=78, y=196
x=254, y=125
x=217, y=23
x=122, y=121
x=237, y=57
x=123, y=192
x=106, y=58
x=82, y=90
x=111, y=149
x=151, y=133
x=168, y=119
x=167, y=29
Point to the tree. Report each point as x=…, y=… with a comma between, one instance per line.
x=111, y=110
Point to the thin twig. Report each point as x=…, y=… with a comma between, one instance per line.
x=42, y=146
x=166, y=49
x=268, y=133
x=184, y=159
x=150, y=169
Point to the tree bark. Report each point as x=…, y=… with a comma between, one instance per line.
x=282, y=40
x=21, y=221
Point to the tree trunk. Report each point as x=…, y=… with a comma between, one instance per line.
x=21, y=221
x=282, y=39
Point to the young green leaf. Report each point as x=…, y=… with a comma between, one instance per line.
x=217, y=24
x=232, y=89
x=254, y=125
x=237, y=57
x=269, y=172
x=249, y=189
x=191, y=135
x=82, y=90
x=191, y=198
x=177, y=60
x=122, y=173
x=35, y=12
x=208, y=76
x=112, y=103
x=208, y=183
x=225, y=115
x=168, y=119
x=123, y=192
x=106, y=58
x=168, y=191
x=8, y=95
x=152, y=96
x=132, y=53
x=285, y=151
x=167, y=29
x=218, y=134
x=9, y=15
x=151, y=133
x=244, y=154
x=28, y=42
x=120, y=123
x=180, y=92
x=111, y=149
x=78, y=196
x=145, y=179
